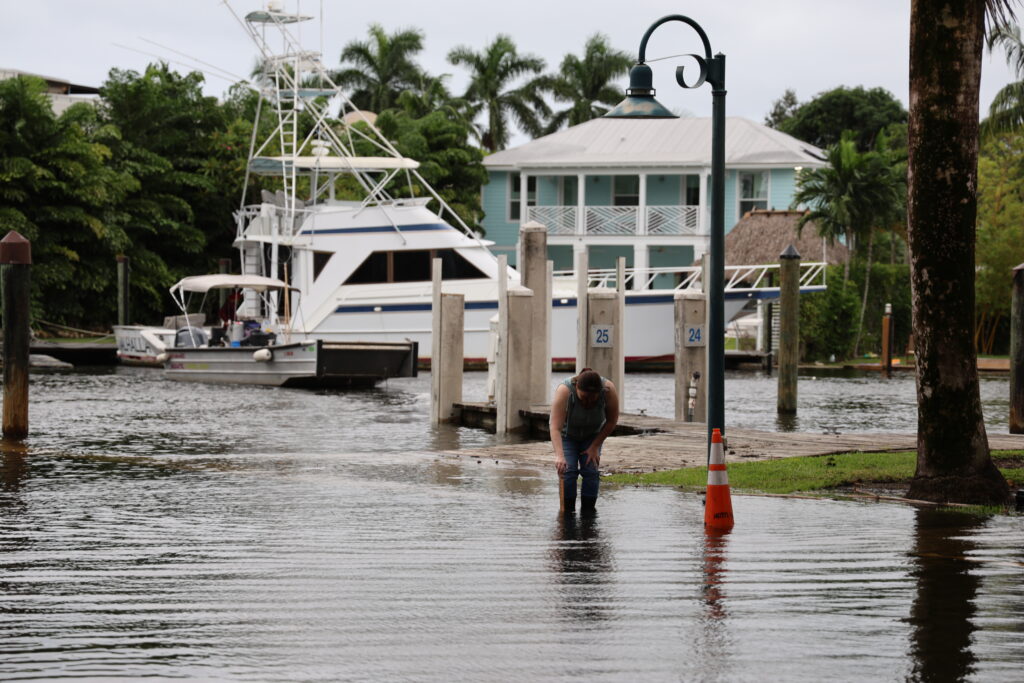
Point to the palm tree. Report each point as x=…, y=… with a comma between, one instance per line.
x=855, y=195
x=586, y=83
x=946, y=45
x=1006, y=112
x=493, y=71
x=381, y=68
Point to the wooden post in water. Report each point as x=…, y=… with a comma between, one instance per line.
x=16, y=263
x=123, y=281
x=513, y=354
x=620, y=370
x=533, y=240
x=604, y=335
x=1017, y=353
x=448, y=313
x=691, y=356
x=766, y=329
x=789, y=328
x=582, y=331
x=887, y=342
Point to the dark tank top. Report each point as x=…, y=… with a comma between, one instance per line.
x=583, y=423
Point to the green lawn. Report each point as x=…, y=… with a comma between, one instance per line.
x=790, y=475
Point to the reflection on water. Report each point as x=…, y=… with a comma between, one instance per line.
x=583, y=568
x=149, y=529
x=947, y=585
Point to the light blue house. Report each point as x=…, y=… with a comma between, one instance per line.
x=636, y=188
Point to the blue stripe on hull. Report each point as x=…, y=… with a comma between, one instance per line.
x=380, y=228
x=555, y=303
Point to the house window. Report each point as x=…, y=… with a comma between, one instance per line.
x=570, y=190
x=626, y=190
x=753, y=191
x=691, y=190
x=514, y=195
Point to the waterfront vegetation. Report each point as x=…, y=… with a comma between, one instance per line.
x=816, y=473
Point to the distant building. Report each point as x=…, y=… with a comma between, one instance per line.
x=645, y=187
x=62, y=93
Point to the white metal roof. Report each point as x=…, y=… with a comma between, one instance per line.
x=277, y=165
x=204, y=283
x=683, y=142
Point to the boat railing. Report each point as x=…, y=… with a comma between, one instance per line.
x=738, y=279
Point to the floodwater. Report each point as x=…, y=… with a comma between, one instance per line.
x=155, y=529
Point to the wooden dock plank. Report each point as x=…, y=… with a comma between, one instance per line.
x=657, y=443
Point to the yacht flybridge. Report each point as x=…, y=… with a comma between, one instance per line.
x=353, y=228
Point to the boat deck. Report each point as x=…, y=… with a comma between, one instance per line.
x=642, y=443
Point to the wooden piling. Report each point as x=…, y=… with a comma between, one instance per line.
x=691, y=355
x=766, y=330
x=448, y=321
x=604, y=352
x=533, y=241
x=789, y=329
x=1017, y=353
x=582, y=331
x=16, y=264
x=123, y=303
x=886, y=364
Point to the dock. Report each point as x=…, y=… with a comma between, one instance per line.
x=642, y=443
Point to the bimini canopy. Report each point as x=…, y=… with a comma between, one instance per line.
x=328, y=164
x=204, y=283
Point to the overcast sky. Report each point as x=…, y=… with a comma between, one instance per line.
x=807, y=45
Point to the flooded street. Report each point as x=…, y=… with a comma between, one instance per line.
x=157, y=529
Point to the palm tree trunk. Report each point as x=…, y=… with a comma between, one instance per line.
x=864, y=301
x=953, y=461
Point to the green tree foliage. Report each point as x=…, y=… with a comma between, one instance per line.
x=1000, y=237
x=828, y=320
x=854, y=196
x=782, y=109
x=1006, y=112
x=381, y=68
x=586, y=83
x=59, y=190
x=494, y=74
x=822, y=120
x=172, y=142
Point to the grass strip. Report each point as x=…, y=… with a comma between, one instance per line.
x=812, y=473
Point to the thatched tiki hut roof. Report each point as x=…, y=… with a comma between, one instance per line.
x=762, y=235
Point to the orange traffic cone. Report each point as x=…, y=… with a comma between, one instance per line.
x=718, y=502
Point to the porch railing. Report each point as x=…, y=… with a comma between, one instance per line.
x=559, y=220
x=673, y=220
x=612, y=220
x=618, y=220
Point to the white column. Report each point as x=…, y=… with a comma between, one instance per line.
x=523, y=198
x=640, y=264
x=581, y=204
x=641, y=219
x=702, y=216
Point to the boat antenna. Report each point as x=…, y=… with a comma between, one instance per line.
x=196, y=60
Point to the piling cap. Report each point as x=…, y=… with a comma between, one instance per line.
x=15, y=249
x=790, y=252
x=716, y=435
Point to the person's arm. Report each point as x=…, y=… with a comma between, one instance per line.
x=557, y=422
x=611, y=418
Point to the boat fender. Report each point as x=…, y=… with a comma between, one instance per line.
x=263, y=355
x=161, y=358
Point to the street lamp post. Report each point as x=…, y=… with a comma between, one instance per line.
x=640, y=104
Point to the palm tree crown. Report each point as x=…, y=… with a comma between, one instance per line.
x=379, y=69
x=586, y=83
x=493, y=71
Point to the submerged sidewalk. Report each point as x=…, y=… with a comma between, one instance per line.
x=646, y=444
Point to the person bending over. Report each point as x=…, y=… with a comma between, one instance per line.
x=584, y=412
